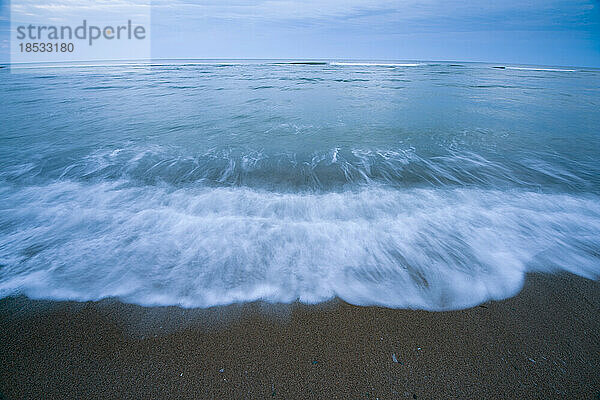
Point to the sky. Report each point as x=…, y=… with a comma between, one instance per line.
x=539, y=32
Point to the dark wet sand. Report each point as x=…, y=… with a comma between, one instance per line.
x=542, y=344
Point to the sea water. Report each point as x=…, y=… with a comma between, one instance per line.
x=402, y=184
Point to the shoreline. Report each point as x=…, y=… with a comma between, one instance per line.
x=542, y=343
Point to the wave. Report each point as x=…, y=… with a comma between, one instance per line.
x=373, y=64
x=334, y=169
x=433, y=249
x=536, y=69
x=301, y=63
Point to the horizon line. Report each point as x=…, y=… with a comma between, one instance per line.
x=293, y=59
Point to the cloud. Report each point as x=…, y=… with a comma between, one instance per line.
x=201, y=28
x=395, y=16
x=511, y=14
x=36, y=11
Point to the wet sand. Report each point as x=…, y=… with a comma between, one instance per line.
x=542, y=344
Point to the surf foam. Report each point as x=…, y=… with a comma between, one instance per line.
x=433, y=249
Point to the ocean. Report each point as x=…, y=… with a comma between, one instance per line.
x=419, y=185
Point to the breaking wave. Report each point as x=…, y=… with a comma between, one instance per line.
x=199, y=247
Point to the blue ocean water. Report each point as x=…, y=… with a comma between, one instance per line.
x=420, y=185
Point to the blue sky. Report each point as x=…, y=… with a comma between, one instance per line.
x=550, y=32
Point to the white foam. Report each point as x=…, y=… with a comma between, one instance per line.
x=541, y=69
x=377, y=64
x=432, y=249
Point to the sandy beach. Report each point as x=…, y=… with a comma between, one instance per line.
x=543, y=343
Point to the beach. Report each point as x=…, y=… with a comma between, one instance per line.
x=297, y=230
x=543, y=343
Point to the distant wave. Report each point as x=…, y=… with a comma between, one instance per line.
x=377, y=64
x=302, y=63
x=536, y=69
x=421, y=248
